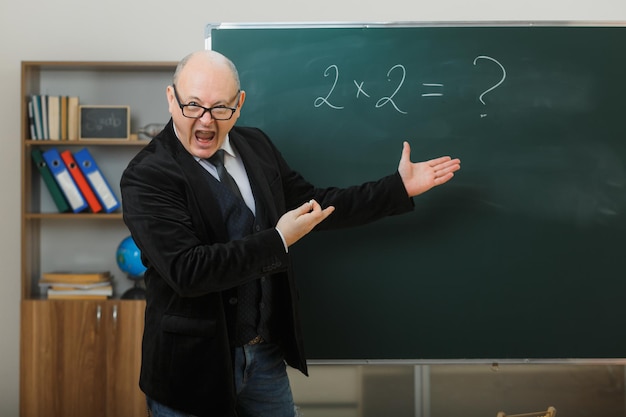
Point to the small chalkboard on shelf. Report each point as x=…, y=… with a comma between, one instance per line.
x=104, y=122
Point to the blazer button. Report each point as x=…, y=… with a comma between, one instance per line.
x=232, y=301
x=257, y=228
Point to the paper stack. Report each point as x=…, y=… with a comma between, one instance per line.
x=77, y=285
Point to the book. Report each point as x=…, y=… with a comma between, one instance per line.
x=103, y=289
x=63, y=117
x=96, y=179
x=54, y=117
x=36, y=100
x=43, y=100
x=72, y=118
x=53, y=187
x=61, y=284
x=97, y=292
x=97, y=287
x=56, y=296
x=75, y=277
x=64, y=179
x=100, y=292
x=74, y=285
x=81, y=182
x=31, y=120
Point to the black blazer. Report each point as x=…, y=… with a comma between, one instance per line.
x=192, y=268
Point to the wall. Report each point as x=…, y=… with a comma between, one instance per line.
x=161, y=30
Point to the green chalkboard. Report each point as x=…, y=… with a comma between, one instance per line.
x=522, y=255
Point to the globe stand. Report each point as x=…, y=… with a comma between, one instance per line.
x=136, y=292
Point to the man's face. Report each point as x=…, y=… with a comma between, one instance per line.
x=207, y=84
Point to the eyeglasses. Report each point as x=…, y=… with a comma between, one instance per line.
x=196, y=111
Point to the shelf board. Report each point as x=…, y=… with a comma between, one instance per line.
x=133, y=66
x=89, y=142
x=74, y=216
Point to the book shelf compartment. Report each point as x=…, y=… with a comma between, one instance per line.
x=65, y=241
x=111, y=159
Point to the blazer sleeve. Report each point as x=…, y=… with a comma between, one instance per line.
x=177, y=240
x=354, y=206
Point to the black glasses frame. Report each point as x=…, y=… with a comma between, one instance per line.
x=206, y=109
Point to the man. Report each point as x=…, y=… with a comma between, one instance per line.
x=221, y=315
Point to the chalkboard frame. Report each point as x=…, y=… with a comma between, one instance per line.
x=121, y=132
x=407, y=24
x=588, y=356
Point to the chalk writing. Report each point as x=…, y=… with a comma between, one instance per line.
x=389, y=99
x=494, y=86
x=360, y=90
x=432, y=94
x=324, y=100
x=396, y=74
x=101, y=121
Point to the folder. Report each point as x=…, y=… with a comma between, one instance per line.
x=48, y=179
x=98, y=183
x=81, y=182
x=64, y=179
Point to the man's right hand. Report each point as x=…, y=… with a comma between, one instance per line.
x=298, y=222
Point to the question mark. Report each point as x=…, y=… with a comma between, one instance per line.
x=496, y=85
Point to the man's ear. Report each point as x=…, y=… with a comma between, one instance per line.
x=172, y=104
x=242, y=98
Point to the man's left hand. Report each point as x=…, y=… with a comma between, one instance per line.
x=420, y=177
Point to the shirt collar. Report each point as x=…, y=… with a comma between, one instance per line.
x=228, y=148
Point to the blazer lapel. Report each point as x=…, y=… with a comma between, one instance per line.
x=207, y=205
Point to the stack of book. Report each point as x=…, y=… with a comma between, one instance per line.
x=75, y=181
x=53, y=117
x=77, y=285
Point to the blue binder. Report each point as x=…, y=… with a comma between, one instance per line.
x=64, y=179
x=98, y=183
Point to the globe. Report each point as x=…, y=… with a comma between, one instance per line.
x=128, y=258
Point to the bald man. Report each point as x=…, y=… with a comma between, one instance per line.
x=214, y=208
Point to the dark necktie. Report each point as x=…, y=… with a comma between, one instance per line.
x=218, y=161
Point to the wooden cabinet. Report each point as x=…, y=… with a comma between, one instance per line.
x=82, y=357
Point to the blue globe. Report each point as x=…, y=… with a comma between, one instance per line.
x=129, y=258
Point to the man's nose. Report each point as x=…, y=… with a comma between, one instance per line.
x=206, y=118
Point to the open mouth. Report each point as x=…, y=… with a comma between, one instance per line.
x=204, y=136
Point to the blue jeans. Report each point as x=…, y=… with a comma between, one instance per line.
x=261, y=384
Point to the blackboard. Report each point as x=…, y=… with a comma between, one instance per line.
x=104, y=122
x=521, y=256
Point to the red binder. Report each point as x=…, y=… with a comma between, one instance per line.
x=81, y=182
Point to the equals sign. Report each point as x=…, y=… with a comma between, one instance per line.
x=432, y=85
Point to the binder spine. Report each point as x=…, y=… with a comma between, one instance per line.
x=65, y=181
x=98, y=182
x=81, y=182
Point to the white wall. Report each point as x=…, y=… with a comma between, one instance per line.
x=166, y=30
